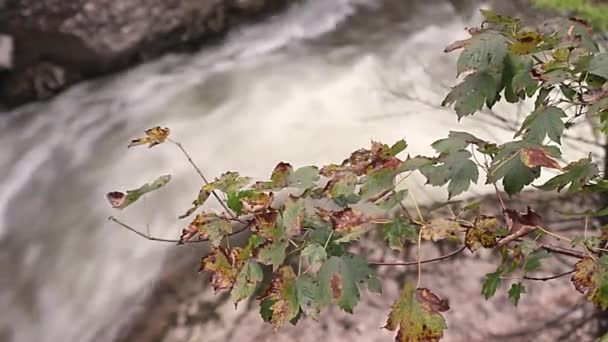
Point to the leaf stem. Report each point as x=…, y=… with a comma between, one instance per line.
x=200, y=173
x=416, y=262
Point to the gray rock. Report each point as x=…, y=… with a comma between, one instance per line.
x=59, y=42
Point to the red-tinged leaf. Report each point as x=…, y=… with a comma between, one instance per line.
x=209, y=226
x=533, y=157
x=348, y=220
x=591, y=279
x=516, y=220
x=293, y=215
x=221, y=264
x=332, y=170
x=417, y=315
x=154, y=136
x=265, y=224
x=120, y=200
x=258, y=202
x=284, y=297
x=279, y=178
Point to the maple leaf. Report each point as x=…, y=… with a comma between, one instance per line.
x=293, y=215
x=341, y=188
x=203, y=195
x=377, y=184
x=208, y=226
x=392, y=200
x=526, y=42
x=398, y=230
x=269, y=226
x=469, y=96
x=517, y=221
x=278, y=178
x=222, y=264
x=228, y=182
x=455, y=141
x=482, y=234
x=339, y=280
x=534, y=157
x=154, y=136
x=599, y=65
x=455, y=168
x=543, y=122
x=591, y=279
x=350, y=222
x=256, y=202
x=490, y=284
x=439, y=229
x=120, y=200
x=522, y=82
x=308, y=296
x=577, y=174
x=283, y=295
x=246, y=281
x=417, y=315
x=484, y=52
x=315, y=255
x=515, y=292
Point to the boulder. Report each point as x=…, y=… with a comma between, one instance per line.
x=55, y=43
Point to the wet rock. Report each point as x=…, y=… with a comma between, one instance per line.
x=56, y=43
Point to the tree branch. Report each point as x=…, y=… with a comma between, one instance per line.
x=417, y=262
x=152, y=238
x=565, y=251
x=550, y=277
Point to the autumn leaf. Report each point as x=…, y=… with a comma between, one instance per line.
x=278, y=178
x=209, y=226
x=154, y=136
x=526, y=42
x=341, y=188
x=417, y=315
x=293, y=215
x=283, y=294
x=229, y=183
x=591, y=279
x=221, y=263
x=203, y=195
x=120, y=200
x=256, y=202
x=534, y=157
x=269, y=226
x=339, y=280
x=482, y=234
x=517, y=221
x=439, y=229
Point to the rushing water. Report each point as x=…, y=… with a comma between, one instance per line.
x=307, y=86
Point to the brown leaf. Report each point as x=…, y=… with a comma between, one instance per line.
x=116, y=198
x=154, y=136
x=482, y=234
x=347, y=220
x=439, y=229
x=533, y=157
x=264, y=224
x=282, y=293
x=221, y=263
x=516, y=221
x=257, y=203
x=591, y=279
x=430, y=301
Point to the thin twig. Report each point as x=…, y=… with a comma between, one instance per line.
x=419, y=258
x=563, y=251
x=411, y=263
x=550, y=277
x=555, y=235
x=200, y=173
x=152, y=238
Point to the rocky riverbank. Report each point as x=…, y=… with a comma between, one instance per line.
x=46, y=46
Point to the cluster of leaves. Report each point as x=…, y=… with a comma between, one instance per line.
x=302, y=222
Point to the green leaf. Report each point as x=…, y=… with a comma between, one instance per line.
x=246, y=281
x=522, y=80
x=397, y=148
x=484, y=52
x=591, y=279
x=228, y=182
x=120, y=200
x=304, y=177
x=398, y=230
x=273, y=254
x=315, y=255
x=284, y=296
x=234, y=200
x=508, y=166
x=533, y=261
x=470, y=95
x=455, y=168
x=220, y=263
x=599, y=65
x=417, y=315
x=375, y=185
x=341, y=188
x=490, y=284
x=544, y=121
x=577, y=174
x=293, y=215
x=308, y=296
x=515, y=293
x=416, y=163
x=339, y=278
x=392, y=200
x=454, y=142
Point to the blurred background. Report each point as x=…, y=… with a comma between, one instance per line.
x=242, y=85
